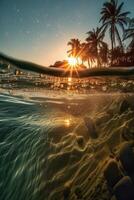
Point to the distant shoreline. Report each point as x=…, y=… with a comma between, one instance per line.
x=82, y=73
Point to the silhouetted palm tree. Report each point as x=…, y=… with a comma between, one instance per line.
x=129, y=33
x=83, y=53
x=95, y=42
x=104, y=52
x=75, y=47
x=112, y=17
x=118, y=55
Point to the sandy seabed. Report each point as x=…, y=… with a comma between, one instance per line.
x=46, y=149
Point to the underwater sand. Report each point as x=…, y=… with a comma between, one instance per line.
x=46, y=149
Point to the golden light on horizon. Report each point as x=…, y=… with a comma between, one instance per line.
x=67, y=122
x=73, y=66
x=72, y=61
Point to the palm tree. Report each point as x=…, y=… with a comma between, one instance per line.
x=129, y=33
x=75, y=47
x=118, y=56
x=83, y=53
x=95, y=42
x=112, y=17
x=104, y=54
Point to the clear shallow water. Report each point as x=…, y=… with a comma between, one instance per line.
x=45, y=146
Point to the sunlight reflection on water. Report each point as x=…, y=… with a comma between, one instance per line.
x=44, y=143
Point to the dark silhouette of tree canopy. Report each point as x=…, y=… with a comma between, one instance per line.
x=95, y=43
x=84, y=52
x=112, y=18
x=115, y=20
x=75, y=47
x=129, y=33
x=104, y=51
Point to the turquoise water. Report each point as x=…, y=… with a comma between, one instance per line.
x=46, y=147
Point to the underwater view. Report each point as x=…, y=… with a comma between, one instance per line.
x=67, y=100
x=55, y=144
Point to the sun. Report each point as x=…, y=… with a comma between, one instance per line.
x=72, y=66
x=72, y=61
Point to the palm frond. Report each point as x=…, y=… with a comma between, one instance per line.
x=119, y=8
x=118, y=37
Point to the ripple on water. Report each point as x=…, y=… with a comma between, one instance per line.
x=46, y=147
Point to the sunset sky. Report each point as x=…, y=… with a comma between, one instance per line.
x=38, y=30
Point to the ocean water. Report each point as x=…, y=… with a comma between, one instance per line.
x=47, y=151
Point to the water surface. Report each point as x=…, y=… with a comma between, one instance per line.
x=45, y=146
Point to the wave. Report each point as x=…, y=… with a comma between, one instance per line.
x=81, y=73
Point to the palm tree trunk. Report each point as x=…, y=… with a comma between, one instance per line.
x=98, y=61
x=88, y=63
x=77, y=60
x=98, y=58
x=112, y=43
x=112, y=49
